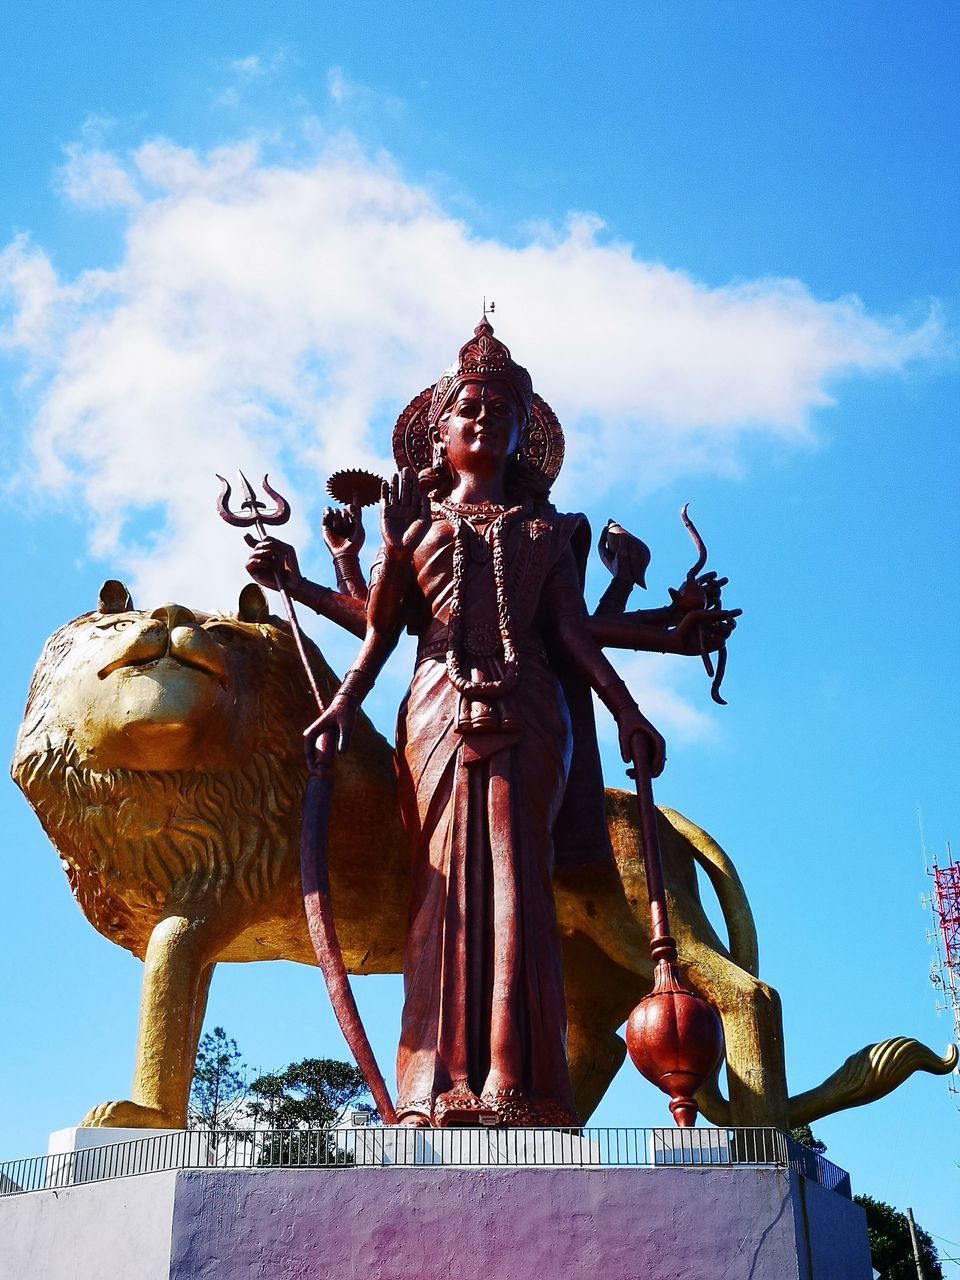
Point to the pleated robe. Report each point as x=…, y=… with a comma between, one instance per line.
x=484, y=1020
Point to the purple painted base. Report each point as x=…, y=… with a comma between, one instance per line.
x=445, y=1224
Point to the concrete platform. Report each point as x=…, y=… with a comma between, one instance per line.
x=88, y=1155
x=393, y=1223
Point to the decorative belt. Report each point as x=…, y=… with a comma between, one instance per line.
x=435, y=646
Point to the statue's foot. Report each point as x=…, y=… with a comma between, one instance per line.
x=461, y=1106
x=129, y=1115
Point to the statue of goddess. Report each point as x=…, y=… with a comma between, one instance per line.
x=496, y=750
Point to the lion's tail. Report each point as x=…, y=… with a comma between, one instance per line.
x=727, y=885
x=870, y=1073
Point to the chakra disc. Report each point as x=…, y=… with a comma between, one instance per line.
x=354, y=486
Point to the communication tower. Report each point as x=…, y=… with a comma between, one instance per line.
x=944, y=904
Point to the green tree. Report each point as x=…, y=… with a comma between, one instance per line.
x=218, y=1092
x=805, y=1135
x=890, y=1249
x=310, y=1095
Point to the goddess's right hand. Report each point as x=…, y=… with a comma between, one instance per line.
x=274, y=564
x=342, y=529
x=336, y=723
x=404, y=515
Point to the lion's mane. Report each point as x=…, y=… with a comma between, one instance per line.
x=135, y=843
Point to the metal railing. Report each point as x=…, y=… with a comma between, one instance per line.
x=817, y=1167
x=378, y=1147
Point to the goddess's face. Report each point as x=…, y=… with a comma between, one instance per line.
x=481, y=431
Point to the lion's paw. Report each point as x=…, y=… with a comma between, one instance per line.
x=128, y=1115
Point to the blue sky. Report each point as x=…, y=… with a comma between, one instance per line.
x=724, y=241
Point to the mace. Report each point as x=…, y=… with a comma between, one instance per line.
x=674, y=1036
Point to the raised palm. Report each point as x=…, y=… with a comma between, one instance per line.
x=404, y=514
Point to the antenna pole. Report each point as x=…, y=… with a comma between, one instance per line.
x=913, y=1241
x=944, y=904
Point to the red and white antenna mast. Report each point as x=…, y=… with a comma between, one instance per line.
x=944, y=904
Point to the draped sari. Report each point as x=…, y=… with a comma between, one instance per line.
x=481, y=786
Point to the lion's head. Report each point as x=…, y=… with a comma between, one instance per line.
x=162, y=753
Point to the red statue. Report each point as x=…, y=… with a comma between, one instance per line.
x=496, y=747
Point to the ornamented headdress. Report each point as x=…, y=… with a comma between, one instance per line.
x=482, y=358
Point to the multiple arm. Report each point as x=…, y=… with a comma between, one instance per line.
x=575, y=641
x=344, y=535
x=564, y=622
x=404, y=519
x=274, y=564
x=652, y=630
x=691, y=624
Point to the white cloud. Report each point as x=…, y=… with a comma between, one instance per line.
x=249, y=67
x=29, y=290
x=659, y=685
x=361, y=98
x=250, y=72
x=337, y=85
x=95, y=179
x=256, y=66
x=278, y=316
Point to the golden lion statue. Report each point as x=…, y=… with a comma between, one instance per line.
x=161, y=752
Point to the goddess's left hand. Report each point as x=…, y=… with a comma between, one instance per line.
x=624, y=556
x=696, y=593
x=633, y=724
x=704, y=630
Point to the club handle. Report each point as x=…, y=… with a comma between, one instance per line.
x=662, y=945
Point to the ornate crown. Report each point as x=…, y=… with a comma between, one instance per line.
x=483, y=356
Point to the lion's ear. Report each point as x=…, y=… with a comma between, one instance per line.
x=253, y=605
x=114, y=598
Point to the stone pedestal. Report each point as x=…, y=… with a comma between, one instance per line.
x=393, y=1223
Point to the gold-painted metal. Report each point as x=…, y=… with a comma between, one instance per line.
x=869, y=1074
x=162, y=753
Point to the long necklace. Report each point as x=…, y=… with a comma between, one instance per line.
x=485, y=690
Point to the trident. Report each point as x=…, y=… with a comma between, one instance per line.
x=314, y=876
x=259, y=517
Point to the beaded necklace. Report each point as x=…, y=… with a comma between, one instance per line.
x=484, y=690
